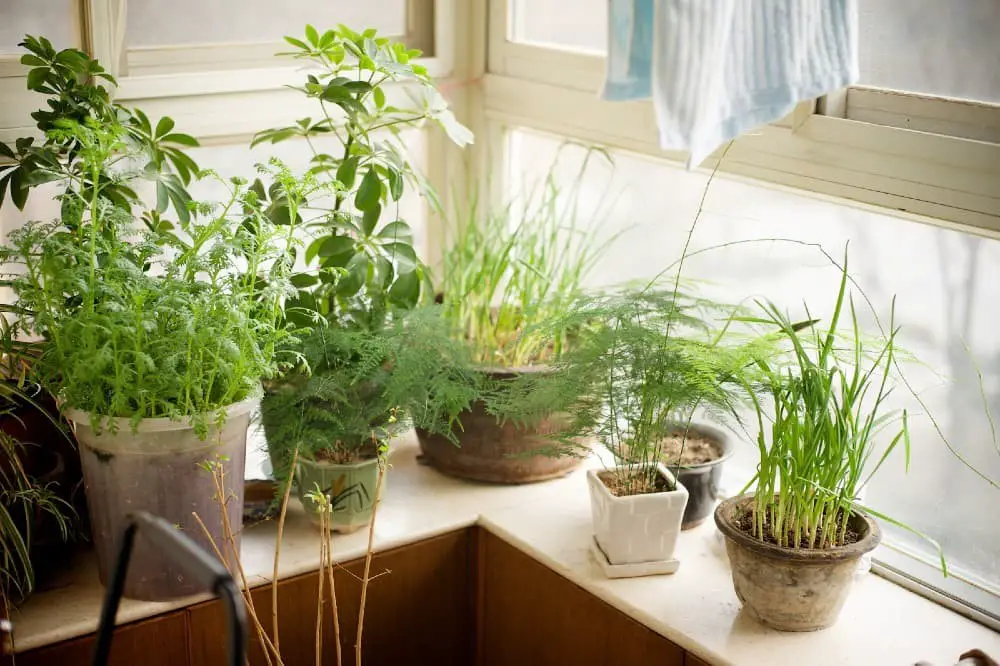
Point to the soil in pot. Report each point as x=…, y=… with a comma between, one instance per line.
x=791, y=589
x=634, y=483
x=700, y=456
x=495, y=452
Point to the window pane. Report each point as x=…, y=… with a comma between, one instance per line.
x=54, y=19
x=580, y=25
x=947, y=284
x=936, y=47
x=155, y=23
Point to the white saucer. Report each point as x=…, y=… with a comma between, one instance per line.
x=654, y=568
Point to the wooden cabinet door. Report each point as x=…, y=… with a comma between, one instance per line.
x=532, y=615
x=418, y=611
x=691, y=660
x=160, y=641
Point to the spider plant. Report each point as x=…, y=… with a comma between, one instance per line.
x=513, y=267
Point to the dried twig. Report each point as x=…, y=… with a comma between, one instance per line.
x=368, y=562
x=327, y=568
x=277, y=548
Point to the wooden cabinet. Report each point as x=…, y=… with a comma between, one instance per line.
x=160, y=641
x=531, y=615
x=418, y=611
x=692, y=660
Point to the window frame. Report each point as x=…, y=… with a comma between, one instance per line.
x=948, y=178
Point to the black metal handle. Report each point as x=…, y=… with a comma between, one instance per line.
x=196, y=563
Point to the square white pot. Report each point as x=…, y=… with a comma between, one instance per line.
x=638, y=528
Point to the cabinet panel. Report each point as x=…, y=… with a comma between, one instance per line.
x=691, y=660
x=530, y=614
x=418, y=611
x=160, y=641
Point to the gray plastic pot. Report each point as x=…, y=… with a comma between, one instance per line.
x=159, y=468
x=702, y=481
x=791, y=589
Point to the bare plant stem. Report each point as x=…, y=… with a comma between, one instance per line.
x=326, y=567
x=323, y=518
x=365, y=578
x=277, y=549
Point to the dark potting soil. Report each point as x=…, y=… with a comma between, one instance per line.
x=633, y=483
x=745, y=523
x=693, y=450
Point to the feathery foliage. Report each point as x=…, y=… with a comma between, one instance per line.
x=163, y=322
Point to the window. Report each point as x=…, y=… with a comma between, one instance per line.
x=195, y=36
x=945, y=300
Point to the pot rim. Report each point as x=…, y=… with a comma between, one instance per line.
x=510, y=372
x=160, y=424
x=326, y=464
x=709, y=431
x=596, y=482
x=724, y=521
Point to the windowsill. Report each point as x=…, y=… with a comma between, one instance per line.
x=695, y=608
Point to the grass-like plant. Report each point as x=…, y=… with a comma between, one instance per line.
x=508, y=269
x=165, y=322
x=831, y=430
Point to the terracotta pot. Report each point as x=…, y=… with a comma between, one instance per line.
x=791, y=589
x=498, y=453
x=702, y=481
x=636, y=528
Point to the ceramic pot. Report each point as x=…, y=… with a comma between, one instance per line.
x=498, y=453
x=791, y=589
x=702, y=481
x=636, y=528
x=351, y=487
x=158, y=468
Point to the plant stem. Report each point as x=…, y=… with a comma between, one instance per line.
x=368, y=563
x=277, y=548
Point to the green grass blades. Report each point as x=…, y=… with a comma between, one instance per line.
x=508, y=269
x=831, y=429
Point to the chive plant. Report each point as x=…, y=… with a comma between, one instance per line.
x=507, y=270
x=831, y=430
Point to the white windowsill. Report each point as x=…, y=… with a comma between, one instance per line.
x=695, y=608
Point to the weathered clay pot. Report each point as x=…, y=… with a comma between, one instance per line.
x=498, y=453
x=791, y=589
x=702, y=481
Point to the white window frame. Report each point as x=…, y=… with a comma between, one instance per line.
x=897, y=164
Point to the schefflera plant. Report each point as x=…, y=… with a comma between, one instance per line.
x=360, y=261
x=336, y=410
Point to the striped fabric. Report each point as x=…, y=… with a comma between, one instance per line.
x=717, y=68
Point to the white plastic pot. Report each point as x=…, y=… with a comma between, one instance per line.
x=638, y=528
x=159, y=468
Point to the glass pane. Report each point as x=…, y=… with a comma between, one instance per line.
x=155, y=23
x=936, y=47
x=947, y=284
x=54, y=19
x=580, y=25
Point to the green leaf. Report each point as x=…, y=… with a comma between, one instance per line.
x=369, y=219
x=312, y=35
x=18, y=190
x=370, y=191
x=36, y=77
x=162, y=198
x=358, y=86
x=336, y=245
x=395, y=179
x=405, y=291
x=397, y=231
x=182, y=139
x=403, y=255
x=347, y=170
x=257, y=187
x=357, y=273
x=379, y=95
x=303, y=280
x=164, y=126
x=297, y=43
x=33, y=61
x=5, y=151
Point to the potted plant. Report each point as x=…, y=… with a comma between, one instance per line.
x=694, y=453
x=650, y=358
x=154, y=340
x=794, y=542
x=342, y=401
x=505, y=273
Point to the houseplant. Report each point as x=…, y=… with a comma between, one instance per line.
x=342, y=401
x=154, y=340
x=650, y=359
x=506, y=272
x=794, y=542
x=695, y=453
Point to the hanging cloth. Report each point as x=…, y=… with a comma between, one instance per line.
x=717, y=68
